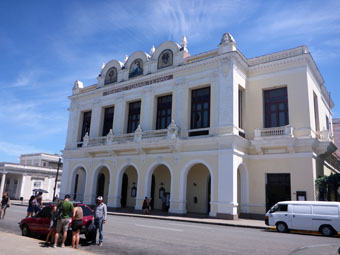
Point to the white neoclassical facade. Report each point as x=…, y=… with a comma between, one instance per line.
x=34, y=171
x=214, y=133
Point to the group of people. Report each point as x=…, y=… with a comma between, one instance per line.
x=35, y=205
x=5, y=203
x=60, y=220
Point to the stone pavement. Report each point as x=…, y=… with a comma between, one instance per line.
x=203, y=219
x=14, y=244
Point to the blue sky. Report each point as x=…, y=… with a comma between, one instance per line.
x=46, y=45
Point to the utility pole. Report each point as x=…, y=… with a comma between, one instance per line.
x=56, y=179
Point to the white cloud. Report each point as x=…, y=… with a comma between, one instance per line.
x=17, y=149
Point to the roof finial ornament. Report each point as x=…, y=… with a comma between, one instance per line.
x=227, y=37
x=126, y=58
x=152, y=50
x=184, y=42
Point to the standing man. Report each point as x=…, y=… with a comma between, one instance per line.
x=64, y=219
x=100, y=214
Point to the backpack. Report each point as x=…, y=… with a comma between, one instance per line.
x=35, y=202
x=59, y=211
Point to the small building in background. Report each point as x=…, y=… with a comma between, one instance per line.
x=35, y=171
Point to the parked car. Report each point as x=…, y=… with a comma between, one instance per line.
x=38, y=225
x=305, y=215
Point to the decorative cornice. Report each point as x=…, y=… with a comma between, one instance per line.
x=278, y=56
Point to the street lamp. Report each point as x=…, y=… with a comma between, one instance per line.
x=56, y=179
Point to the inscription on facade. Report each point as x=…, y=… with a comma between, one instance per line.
x=138, y=85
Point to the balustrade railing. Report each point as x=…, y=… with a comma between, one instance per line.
x=273, y=132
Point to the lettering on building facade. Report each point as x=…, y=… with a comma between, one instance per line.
x=138, y=85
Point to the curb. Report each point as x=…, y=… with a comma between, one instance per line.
x=188, y=220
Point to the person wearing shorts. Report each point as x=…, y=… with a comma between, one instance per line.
x=77, y=223
x=5, y=203
x=64, y=221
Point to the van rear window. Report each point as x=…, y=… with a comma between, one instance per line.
x=325, y=210
x=302, y=209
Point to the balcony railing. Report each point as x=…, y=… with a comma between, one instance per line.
x=261, y=133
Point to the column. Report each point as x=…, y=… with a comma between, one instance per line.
x=73, y=127
x=22, y=188
x=65, y=187
x=95, y=119
x=119, y=117
x=227, y=185
x=181, y=105
x=147, y=110
x=225, y=102
x=2, y=187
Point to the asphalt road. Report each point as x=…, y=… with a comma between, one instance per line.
x=128, y=235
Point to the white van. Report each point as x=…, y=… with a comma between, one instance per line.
x=305, y=215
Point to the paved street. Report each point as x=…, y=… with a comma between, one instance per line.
x=128, y=235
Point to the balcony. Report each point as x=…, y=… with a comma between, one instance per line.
x=270, y=133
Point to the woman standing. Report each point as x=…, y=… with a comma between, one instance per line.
x=77, y=223
x=5, y=203
x=30, y=208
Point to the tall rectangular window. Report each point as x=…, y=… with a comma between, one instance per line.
x=240, y=111
x=276, y=107
x=200, y=111
x=164, y=105
x=86, y=124
x=327, y=122
x=108, y=120
x=134, y=115
x=316, y=112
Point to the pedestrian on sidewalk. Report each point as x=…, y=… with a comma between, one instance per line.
x=37, y=203
x=77, y=223
x=53, y=224
x=65, y=208
x=5, y=203
x=146, y=205
x=30, y=208
x=100, y=214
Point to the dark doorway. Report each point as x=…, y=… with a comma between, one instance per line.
x=209, y=194
x=277, y=189
x=76, y=188
x=152, y=191
x=124, y=190
x=100, y=185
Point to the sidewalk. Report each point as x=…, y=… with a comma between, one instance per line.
x=14, y=244
x=246, y=223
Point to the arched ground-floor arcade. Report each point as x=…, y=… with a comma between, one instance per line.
x=222, y=184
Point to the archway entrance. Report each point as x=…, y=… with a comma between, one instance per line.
x=198, y=194
x=129, y=187
x=78, y=184
x=160, y=188
x=103, y=183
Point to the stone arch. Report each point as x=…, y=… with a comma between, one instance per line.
x=119, y=183
x=242, y=189
x=78, y=184
x=96, y=176
x=164, y=180
x=173, y=46
x=184, y=180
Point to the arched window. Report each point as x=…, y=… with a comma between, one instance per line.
x=136, y=68
x=111, y=76
x=165, y=59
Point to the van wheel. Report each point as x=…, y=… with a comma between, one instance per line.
x=326, y=230
x=25, y=231
x=282, y=227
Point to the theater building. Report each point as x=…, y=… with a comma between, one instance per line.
x=214, y=133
